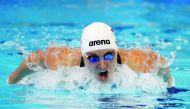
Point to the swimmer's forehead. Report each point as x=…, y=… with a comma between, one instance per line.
x=100, y=51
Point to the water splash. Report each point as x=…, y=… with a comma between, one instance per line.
x=169, y=60
x=124, y=80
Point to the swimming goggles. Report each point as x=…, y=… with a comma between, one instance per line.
x=107, y=56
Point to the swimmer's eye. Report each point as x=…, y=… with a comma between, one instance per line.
x=93, y=58
x=109, y=56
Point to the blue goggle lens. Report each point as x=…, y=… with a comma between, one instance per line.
x=93, y=58
x=108, y=56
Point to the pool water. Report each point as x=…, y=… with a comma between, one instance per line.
x=26, y=26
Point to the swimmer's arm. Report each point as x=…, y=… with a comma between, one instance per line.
x=164, y=72
x=144, y=61
x=51, y=59
x=19, y=73
x=23, y=69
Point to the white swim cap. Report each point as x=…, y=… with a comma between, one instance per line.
x=97, y=36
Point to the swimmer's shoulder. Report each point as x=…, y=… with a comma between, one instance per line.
x=136, y=53
x=128, y=55
x=66, y=56
x=63, y=49
x=139, y=59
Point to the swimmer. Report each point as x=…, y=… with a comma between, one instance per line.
x=99, y=53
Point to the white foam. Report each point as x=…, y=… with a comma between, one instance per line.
x=124, y=80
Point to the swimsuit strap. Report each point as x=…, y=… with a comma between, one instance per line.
x=118, y=60
x=82, y=62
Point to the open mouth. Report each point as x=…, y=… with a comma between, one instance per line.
x=103, y=75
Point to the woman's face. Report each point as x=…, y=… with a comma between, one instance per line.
x=102, y=63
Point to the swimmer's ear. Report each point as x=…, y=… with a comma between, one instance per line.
x=82, y=62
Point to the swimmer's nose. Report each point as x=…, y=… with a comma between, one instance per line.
x=103, y=64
